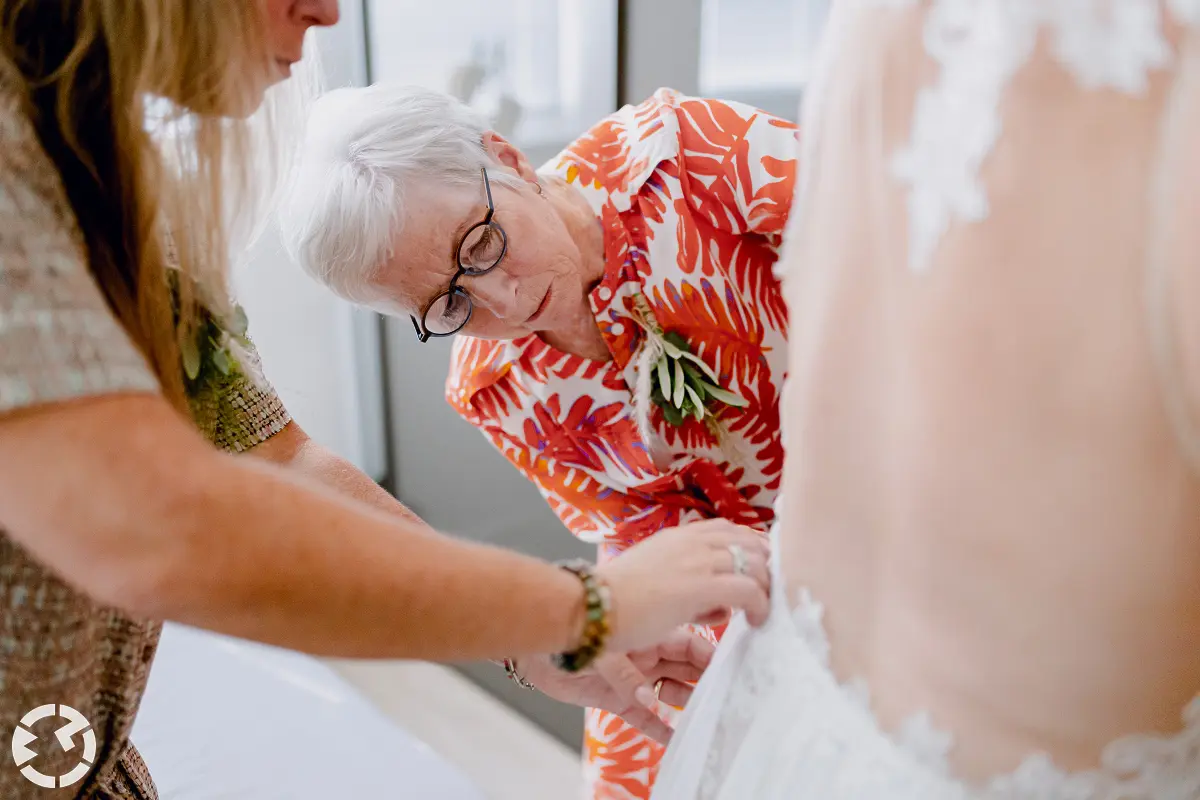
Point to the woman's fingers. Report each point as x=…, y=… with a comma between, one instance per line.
x=679, y=645
x=648, y=723
x=723, y=534
x=674, y=670
x=741, y=550
x=631, y=685
x=752, y=563
x=715, y=618
x=683, y=574
x=744, y=592
x=675, y=693
x=741, y=574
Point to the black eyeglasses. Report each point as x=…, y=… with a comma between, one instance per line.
x=480, y=251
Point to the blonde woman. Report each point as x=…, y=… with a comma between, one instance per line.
x=122, y=364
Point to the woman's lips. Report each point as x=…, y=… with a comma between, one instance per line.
x=542, y=306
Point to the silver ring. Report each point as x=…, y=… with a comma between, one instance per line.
x=740, y=564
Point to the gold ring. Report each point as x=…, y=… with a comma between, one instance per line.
x=658, y=684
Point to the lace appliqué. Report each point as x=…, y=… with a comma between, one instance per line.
x=980, y=45
x=790, y=729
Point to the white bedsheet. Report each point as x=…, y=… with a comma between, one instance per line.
x=225, y=718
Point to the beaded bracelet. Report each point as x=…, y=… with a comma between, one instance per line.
x=595, y=626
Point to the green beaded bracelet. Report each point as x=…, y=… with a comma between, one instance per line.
x=595, y=626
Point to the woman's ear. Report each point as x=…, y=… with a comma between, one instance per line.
x=509, y=155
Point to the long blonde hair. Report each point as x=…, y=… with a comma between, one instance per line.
x=144, y=106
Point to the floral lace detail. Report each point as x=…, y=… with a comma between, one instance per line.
x=980, y=45
x=789, y=729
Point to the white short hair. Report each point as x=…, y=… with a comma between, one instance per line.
x=362, y=148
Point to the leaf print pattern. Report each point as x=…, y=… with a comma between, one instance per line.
x=733, y=181
x=746, y=261
x=692, y=196
x=721, y=332
x=593, y=439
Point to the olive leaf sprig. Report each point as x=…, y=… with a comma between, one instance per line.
x=209, y=352
x=683, y=386
x=208, y=355
x=681, y=383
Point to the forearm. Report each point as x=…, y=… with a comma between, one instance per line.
x=293, y=449
x=124, y=501
x=310, y=570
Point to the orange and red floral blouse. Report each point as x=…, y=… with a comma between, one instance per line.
x=693, y=195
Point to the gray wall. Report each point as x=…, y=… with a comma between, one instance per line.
x=451, y=476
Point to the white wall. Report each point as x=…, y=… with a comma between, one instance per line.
x=321, y=354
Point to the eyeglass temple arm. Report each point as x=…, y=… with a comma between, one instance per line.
x=422, y=337
x=487, y=187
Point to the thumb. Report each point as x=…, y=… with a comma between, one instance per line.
x=627, y=680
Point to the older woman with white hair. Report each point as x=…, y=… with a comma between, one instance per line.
x=623, y=334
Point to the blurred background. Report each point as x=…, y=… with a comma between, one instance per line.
x=545, y=71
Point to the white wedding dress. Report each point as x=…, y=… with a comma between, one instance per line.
x=772, y=719
x=771, y=722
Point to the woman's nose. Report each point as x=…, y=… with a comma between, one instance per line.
x=497, y=292
x=320, y=13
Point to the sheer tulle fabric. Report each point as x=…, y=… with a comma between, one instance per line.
x=939, y=153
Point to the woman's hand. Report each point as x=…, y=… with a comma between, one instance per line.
x=683, y=575
x=622, y=683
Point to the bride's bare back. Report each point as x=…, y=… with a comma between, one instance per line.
x=991, y=393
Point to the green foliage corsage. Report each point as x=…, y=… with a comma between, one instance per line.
x=209, y=355
x=681, y=384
